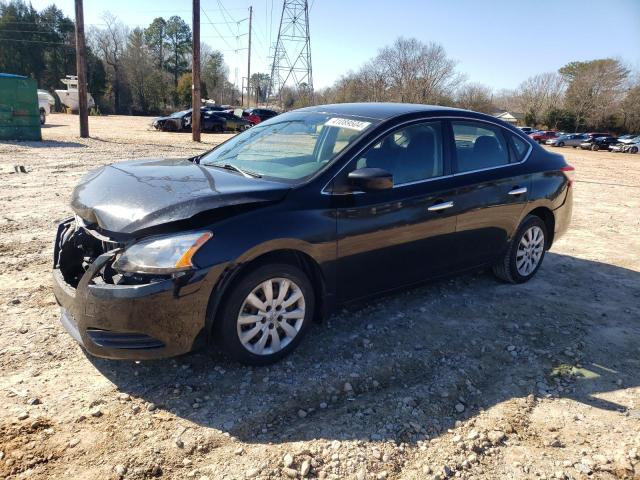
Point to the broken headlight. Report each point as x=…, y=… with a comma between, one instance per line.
x=166, y=254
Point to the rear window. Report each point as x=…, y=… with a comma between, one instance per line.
x=479, y=146
x=520, y=147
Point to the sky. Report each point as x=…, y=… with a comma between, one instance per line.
x=498, y=43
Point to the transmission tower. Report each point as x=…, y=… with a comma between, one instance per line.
x=292, y=57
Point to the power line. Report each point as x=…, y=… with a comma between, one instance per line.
x=34, y=41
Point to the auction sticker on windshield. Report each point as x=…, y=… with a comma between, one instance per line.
x=347, y=123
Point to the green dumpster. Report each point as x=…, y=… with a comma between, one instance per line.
x=19, y=112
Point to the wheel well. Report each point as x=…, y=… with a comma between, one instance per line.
x=549, y=220
x=293, y=257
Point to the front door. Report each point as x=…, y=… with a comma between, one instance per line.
x=400, y=236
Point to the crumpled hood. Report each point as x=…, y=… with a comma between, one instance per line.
x=130, y=196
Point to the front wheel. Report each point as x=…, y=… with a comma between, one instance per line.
x=525, y=252
x=266, y=315
x=595, y=148
x=633, y=150
x=560, y=144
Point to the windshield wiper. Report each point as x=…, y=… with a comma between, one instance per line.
x=228, y=166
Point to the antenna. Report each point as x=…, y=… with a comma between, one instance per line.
x=292, y=56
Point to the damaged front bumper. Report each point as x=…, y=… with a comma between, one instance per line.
x=156, y=318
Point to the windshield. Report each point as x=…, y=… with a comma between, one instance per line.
x=292, y=146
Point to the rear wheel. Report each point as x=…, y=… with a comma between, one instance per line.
x=595, y=148
x=560, y=144
x=43, y=116
x=525, y=252
x=266, y=315
x=633, y=150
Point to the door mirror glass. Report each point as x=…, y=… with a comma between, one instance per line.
x=370, y=179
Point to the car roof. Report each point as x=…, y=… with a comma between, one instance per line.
x=378, y=111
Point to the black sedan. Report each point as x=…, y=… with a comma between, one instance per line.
x=211, y=120
x=599, y=143
x=245, y=246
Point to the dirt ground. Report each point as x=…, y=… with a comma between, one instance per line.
x=466, y=377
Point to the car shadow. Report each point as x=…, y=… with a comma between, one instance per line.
x=408, y=365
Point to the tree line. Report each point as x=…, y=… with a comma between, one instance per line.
x=130, y=71
x=601, y=94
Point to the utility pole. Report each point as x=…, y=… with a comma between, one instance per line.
x=195, y=74
x=81, y=71
x=249, y=60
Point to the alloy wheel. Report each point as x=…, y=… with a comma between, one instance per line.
x=530, y=250
x=271, y=316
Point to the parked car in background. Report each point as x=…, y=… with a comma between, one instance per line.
x=231, y=122
x=543, y=135
x=598, y=143
x=45, y=102
x=597, y=134
x=257, y=115
x=210, y=121
x=527, y=130
x=567, y=140
x=627, y=144
x=247, y=245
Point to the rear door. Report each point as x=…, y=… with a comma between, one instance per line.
x=400, y=236
x=493, y=190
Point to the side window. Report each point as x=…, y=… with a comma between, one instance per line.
x=520, y=147
x=410, y=154
x=479, y=145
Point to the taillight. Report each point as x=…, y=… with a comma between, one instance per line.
x=570, y=173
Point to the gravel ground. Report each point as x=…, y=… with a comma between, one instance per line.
x=464, y=378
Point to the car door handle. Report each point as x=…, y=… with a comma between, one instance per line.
x=518, y=191
x=440, y=206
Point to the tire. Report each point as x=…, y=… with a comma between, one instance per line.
x=43, y=117
x=633, y=150
x=507, y=268
x=560, y=144
x=265, y=323
x=595, y=148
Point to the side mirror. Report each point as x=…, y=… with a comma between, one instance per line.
x=370, y=179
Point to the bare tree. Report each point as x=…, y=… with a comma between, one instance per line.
x=110, y=43
x=474, y=96
x=539, y=94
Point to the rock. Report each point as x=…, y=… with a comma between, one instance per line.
x=305, y=468
x=473, y=435
x=179, y=443
x=135, y=409
x=447, y=470
x=23, y=329
x=496, y=436
x=151, y=407
x=34, y=401
x=23, y=416
x=382, y=475
x=347, y=387
x=287, y=460
x=290, y=472
x=120, y=470
x=302, y=413
x=582, y=468
x=96, y=412
x=238, y=451
x=323, y=405
x=361, y=474
x=459, y=407
x=73, y=442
